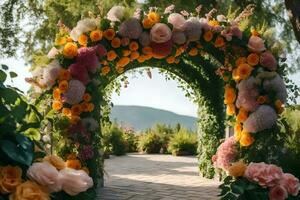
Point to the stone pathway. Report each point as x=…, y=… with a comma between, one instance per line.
x=155, y=177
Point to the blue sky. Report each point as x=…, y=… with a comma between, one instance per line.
x=155, y=92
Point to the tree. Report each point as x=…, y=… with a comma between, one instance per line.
x=293, y=8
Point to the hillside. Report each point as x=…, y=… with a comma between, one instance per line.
x=141, y=118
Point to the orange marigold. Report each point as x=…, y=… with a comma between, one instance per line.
x=242, y=115
x=229, y=95
x=141, y=59
x=246, y=139
x=105, y=70
x=76, y=110
x=153, y=17
x=238, y=131
x=83, y=39
x=57, y=105
x=123, y=62
x=63, y=86
x=230, y=109
x=219, y=42
x=208, y=36
x=111, y=55
x=253, y=59
x=84, y=107
x=64, y=74
x=134, y=55
x=126, y=52
x=170, y=59
x=116, y=42
x=74, y=164
x=91, y=107
x=147, y=50
x=66, y=112
x=240, y=60
x=74, y=119
x=70, y=50
x=147, y=23
x=279, y=106
x=87, y=97
x=237, y=169
x=56, y=94
x=193, y=52
x=133, y=46
x=96, y=35
x=244, y=71
x=109, y=34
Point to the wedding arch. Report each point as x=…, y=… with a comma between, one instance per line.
x=222, y=61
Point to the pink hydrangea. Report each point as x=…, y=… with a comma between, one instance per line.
x=278, y=86
x=144, y=39
x=131, y=29
x=290, y=183
x=256, y=44
x=226, y=154
x=266, y=175
x=160, y=33
x=178, y=37
x=88, y=58
x=177, y=21
x=74, y=93
x=162, y=49
x=247, y=95
x=268, y=61
x=264, y=117
x=278, y=193
x=80, y=73
x=192, y=29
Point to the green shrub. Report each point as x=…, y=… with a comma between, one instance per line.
x=114, y=141
x=183, y=143
x=150, y=143
x=131, y=142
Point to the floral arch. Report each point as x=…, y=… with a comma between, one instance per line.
x=212, y=54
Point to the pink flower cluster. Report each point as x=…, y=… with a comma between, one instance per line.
x=248, y=93
x=270, y=176
x=226, y=154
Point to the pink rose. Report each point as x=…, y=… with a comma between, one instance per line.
x=290, y=183
x=74, y=181
x=160, y=33
x=256, y=44
x=177, y=20
x=46, y=175
x=278, y=193
x=268, y=61
x=266, y=175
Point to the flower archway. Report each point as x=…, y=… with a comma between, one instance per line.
x=212, y=55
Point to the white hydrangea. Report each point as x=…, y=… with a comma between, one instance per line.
x=83, y=26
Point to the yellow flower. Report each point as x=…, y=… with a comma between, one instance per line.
x=56, y=94
x=87, y=97
x=147, y=23
x=253, y=59
x=229, y=95
x=60, y=41
x=170, y=59
x=133, y=46
x=66, y=112
x=105, y=70
x=64, y=75
x=109, y=34
x=154, y=17
x=56, y=161
x=63, y=86
x=242, y=116
x=111, y=55
x=219, y=42
x=74, y=164
x=29, y=191
x=279, y=106
x=246, y=139
x=134, y=55
x=10, y=178
x=116, y=42
x=70, y=50
x=193, y=52
x=123, y=62
x=208, y=36
x=213, y=23
x=83, y=39
x=57, y=105
x=237, y=131
x=230, y=109
x=237, y=169
x=244, y=71
x=76, y=110
x=96, y=35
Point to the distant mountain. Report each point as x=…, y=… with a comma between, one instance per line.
x=141, y=118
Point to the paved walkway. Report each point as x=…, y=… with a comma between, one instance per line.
x=155, y=177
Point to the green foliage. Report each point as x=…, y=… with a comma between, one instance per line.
x=114, y=140
x=150, y=143
x=183, y=143
x=131, y=141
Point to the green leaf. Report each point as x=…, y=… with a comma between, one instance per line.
x=13, y=74
x=229, y=196
x=2, y=76
x=10, y=96
x=237, y=189
x=5, y=67
x=33, y=134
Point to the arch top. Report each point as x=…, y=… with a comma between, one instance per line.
x=211, y=51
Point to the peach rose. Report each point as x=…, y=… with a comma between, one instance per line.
x=256, y=44
x=237, y=169
x=290, y=183
x=268, y=61
x=75, y=181
x=56, y=161
x=160, y=33
x=278, y=193
x=10, y=178
x=46, y=175
x=29, y=191
x=177, y=20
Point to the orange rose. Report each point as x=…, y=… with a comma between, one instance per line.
x=87, y=97
x=134, y=55
x=111, y=55
x=29, y=191
x=76, y=110
x=235, y=76
x=105, y=70
x=56, y=94
x=109, y=34
x=246, y=139
x=133, y=46
x=238, y=131
x=208, y=36
x=244, y=71
x=242, y=116
x=219, y=42
x=74, y=164
x=240, y=60
x=91, y=107
x=83, y=39
x=147, y=50
x=141, y=59
x=63, y=86
x=237, y=169
x=126, y=52
x=57, y=105
x=96, y=35
x=123, y=62
x=230, y=109
x=153, y=17
x=193, y=52
x=147, y=23
x=55, y=161
x=10, y=178
x=229, y=95
x=253, y=59
x=64, y=75
x=116, y=42
x=84, y=107
x=66, y=112
x=70, y=50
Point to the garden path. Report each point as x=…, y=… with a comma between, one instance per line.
x=159, y=177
